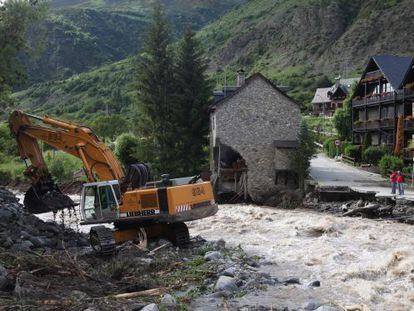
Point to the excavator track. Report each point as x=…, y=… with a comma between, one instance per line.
x=179, y=235
x=102, y=240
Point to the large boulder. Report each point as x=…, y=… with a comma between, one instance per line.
x=150, y=307
x=213, y=256
x=225, y=284
x=168, y=301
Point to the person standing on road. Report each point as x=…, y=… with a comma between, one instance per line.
x=400, y=182
x=393, y=180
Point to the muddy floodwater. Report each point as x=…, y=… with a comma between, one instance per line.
x=359, y=262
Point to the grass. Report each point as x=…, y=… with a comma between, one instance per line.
x=320, y=123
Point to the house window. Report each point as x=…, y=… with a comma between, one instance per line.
x=377, y=89
x=387, y=88
x=375, y=139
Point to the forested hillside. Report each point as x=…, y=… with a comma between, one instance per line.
x=80, y=35
x=293, y=42
x=77, y=98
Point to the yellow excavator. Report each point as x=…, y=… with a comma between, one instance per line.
x=137, y=208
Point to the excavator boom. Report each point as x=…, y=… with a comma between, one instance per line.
x=98, y=160
x=137, y=208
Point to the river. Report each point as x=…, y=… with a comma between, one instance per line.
x=359, y=262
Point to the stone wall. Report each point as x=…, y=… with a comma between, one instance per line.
x=250, y=122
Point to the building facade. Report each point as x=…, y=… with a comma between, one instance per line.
x=253, y=133
x=327, y=100
x=384, y=95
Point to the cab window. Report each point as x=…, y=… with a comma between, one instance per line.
x=91, y=204
x=107, y=199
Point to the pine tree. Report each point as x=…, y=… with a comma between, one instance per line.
x=193, y=95
x=155, y=88
x=304, y=153
x=16, y=16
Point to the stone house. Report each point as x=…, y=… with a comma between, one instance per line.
x=253, y=133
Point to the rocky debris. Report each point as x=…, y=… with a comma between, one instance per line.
x=310, y=306
x=328, y=308
x=285, y=199
x=150, y=307
x=316, y=283
x=21, y=231
x=212, y=256
x=225, y=284
x=231, y=271
x=4, y=281
x=168, y=301
x=130, y=280
x=292, y=280
x=384, y=208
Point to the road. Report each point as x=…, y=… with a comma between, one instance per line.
x=328, y=172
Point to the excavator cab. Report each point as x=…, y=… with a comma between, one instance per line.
x=100, y=201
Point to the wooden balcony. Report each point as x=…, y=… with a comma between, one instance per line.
x=387, y=123
x=384, y=97
x=359, y=126
x=373, y=75
x=374, y=124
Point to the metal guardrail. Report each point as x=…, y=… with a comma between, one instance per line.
x=348, y=159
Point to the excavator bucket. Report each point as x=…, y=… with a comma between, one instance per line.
x=42, y=200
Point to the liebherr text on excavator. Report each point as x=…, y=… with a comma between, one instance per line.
x=138, y=209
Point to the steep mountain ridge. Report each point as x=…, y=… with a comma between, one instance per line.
x=81, y=35
x=327, y=34
x=296, y=43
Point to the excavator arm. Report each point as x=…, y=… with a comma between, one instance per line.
x=98, y=160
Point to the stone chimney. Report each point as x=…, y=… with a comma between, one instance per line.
x=240, y=77
x=338, y=81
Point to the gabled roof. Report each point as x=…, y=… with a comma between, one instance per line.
x=394, y=68
x=347, y=83
x=321, y=95
x=245, y=84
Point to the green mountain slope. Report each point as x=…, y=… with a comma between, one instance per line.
x=294, y=42
x=85, y=96
x=80, y=35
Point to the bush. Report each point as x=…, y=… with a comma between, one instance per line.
x=62, y=166
x=11, y=170
x=130, y=149
x=5, y=177
x=390, y=163
x=126, y=148
x=407, y=170
x=373, y=155
x=8, y=145
x=329, y=147
x=353, y=151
